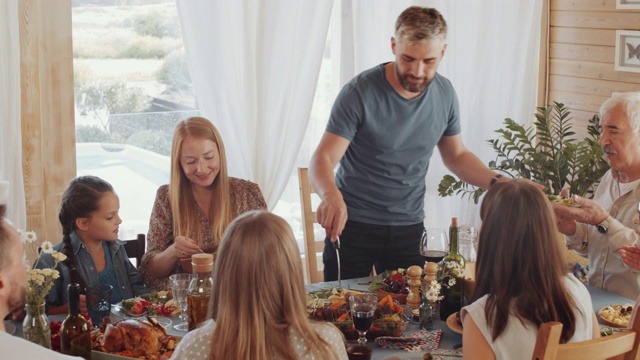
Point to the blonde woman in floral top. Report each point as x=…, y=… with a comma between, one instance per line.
x=191, y=213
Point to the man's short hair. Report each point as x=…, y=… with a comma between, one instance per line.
x=4, y=238
x=630, y=102
x=417, y=24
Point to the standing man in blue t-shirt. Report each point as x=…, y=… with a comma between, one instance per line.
x=383, y=128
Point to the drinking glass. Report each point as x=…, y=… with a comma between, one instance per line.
x=434, y=245
x=99, y=302
x=362, y=309
x=179, y=286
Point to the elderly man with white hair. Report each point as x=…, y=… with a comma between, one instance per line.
x=602, y=227
x=13, y=288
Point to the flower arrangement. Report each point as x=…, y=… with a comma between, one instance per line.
x=448, y=275
x=35, y=326
x=40, y=281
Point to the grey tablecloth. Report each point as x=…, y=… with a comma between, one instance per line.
x=449, y=339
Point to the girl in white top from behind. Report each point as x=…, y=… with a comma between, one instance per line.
x=258, y=302
x=521, y=280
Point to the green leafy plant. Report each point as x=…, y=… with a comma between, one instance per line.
x=547, y=153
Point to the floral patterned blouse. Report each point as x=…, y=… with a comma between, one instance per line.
x=245, y=196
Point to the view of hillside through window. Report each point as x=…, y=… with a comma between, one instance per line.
x=132, y=86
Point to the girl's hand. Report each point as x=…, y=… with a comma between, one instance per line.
x=185, y=247
x=83, y=304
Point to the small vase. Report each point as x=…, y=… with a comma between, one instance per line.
x=35, y=326
x=427, y=314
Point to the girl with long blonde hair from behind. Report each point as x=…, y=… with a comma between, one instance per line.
x=258, y=301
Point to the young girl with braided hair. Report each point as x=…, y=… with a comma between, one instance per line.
x=90, y=221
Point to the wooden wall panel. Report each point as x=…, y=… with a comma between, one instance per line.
x=48, y=128
x=581, y=54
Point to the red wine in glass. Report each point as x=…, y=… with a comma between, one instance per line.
x=362, y=320
x=433, y=255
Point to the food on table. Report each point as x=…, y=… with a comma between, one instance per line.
x=134, y=338
x=392, y=281
x=562, y=200
x=388, y=319
x=606, y=331
x=617, y=314
x=153, y=303
x=458, y=319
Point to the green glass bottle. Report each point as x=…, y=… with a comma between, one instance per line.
x=452, y=285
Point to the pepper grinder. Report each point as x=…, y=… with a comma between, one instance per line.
x=413, y=298
x=431, y=273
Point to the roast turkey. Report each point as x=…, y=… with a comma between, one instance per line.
x=140, y=337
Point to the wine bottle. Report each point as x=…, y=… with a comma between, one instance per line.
x=452, y=286
x=75, y=335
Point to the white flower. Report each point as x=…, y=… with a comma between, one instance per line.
x=30, y=236
x=435, y=286
x=47, y=247
x=452, y=281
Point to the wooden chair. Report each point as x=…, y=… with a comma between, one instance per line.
x=548, y=345
x=312, y=246
x=135, y=248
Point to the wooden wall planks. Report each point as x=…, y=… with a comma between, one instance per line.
x=582, y=54
x=47, y=104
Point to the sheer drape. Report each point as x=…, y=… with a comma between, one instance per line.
x=10, y=132
x=256, y=81
x=254, y=65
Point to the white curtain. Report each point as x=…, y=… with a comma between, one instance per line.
x=10, y=132
x=255, y=65
x=246, y=80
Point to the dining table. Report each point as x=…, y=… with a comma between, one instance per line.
x=450, y=342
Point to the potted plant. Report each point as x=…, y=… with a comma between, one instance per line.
x=548, y=153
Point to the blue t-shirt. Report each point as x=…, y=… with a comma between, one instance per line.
x=108, y=276
x=382, y=174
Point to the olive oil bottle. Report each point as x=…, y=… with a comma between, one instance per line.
x=452, y=286
x=199, y=290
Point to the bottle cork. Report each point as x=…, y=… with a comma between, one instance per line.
x=202, y=262
x=454, y=222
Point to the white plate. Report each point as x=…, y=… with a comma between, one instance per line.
x=9, y=327
x=118, y=310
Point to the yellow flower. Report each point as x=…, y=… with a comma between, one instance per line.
x=40, y=281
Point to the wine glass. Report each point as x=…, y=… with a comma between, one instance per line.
x=179, y=286
x=434, y=245
x=363, y=307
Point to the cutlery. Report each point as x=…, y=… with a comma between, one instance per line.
x=336, y=245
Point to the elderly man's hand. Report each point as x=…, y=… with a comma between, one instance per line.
x=589, y=212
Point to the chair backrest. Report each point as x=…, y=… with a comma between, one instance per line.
x=548, y=345
x=312, y=246
x=135, y=248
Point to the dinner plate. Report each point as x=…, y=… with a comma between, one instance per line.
x=9, y=327
x=121, y=311
x=611, y=323
x=453, y=325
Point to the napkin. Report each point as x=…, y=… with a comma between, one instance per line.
x=420, y=340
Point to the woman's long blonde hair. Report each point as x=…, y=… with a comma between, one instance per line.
x=258, y=293
x=183, y=204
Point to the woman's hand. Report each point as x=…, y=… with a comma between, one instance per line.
x=184, y=247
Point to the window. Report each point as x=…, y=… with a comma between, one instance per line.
x=132, y=86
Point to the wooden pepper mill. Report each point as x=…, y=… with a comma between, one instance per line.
x=413, y=298
x=431, y=273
